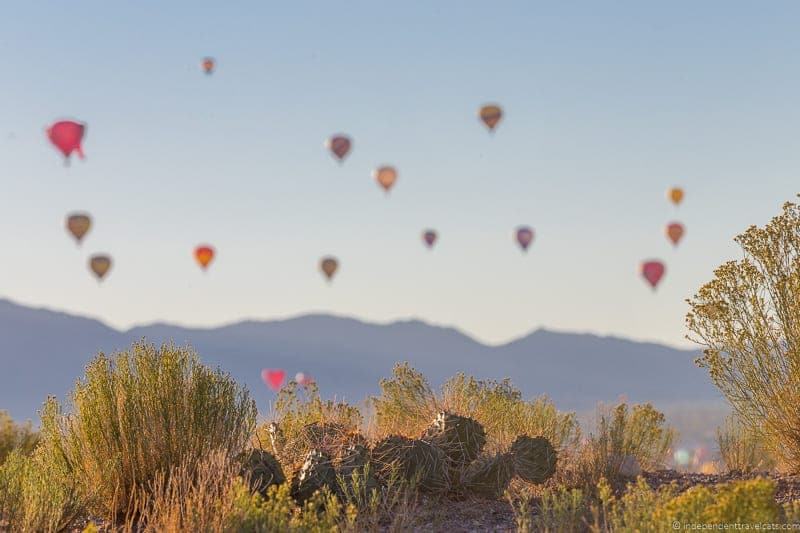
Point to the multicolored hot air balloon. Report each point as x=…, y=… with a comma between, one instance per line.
x=208, y=64
x=385, y=176
x=100, y=265
x=79, y=224
x=491, y=114
x=675, y=195
x=675, y=232
x=429, y=236
x=652, y=271
x=301, y=378
x=273, y=378
x=66, y=136
x=329, y=266
x=204, y=254
x=524, y=236
x=339, y=145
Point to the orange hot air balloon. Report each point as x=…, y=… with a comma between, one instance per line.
x=79, y=224
x=339, y=145
x=208, y=65
x=66, y=136
x=675, y=232
x=491, y=114
x=675, y=195
x=100, y=265
x=385, y=176
x=652, y=271
x=204, y=254
x=329, y=266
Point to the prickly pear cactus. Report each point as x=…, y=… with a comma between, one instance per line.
x=534, y=458
x=460, y=438
x=489, y=476
x=262, y=470
x=355, y=471
x=316, y=473
x=276, y=439
x=414, y=461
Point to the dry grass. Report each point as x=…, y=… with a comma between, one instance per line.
x=15, y=436
x=741, y=449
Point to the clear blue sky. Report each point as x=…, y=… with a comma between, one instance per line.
x=608, y=104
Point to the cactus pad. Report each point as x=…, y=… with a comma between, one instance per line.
x=461, y=438
x=262, y=470
x=489, y=476
x=316, y=473
x=413, y=461
x=534, y=458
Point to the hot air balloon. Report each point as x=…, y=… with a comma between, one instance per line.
x=675, y=231
x=491, y=114
x=79, y=224
x=524, y=236
x=675, y=195
x=66, y=136
x=329, y=265
x=385, y=176
x=301, y=378
x=208, y=65
x=204, y=254
x=429, y=236
x=339, y=145
x=273, y=378
x=652, y=271
x=100, y=265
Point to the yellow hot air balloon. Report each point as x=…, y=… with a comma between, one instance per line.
x=675, y=195
x=491, y=114
x=385, y=176
x=100, y=265
x=329, y=266
x=79, y=224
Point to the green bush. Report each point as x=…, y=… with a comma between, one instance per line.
x=741, y=449
x=15, y=436
x=142, y=412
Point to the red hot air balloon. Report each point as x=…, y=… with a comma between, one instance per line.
x=430, y=236
x=273, y=378
x=652, y=271
x=675, y=232
x=204, y=255
x=208, y=65
x=66, y=136
x=524, y=237
x=339, y=145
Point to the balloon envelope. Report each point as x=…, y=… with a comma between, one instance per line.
x=491, y=114
x=429, y=236
x=675, y=232
x=66, y=136
x=329, y=265
x=100, y=265
x=208, y=65
x=385, y=176
x=273, y=378
x=301, y=378
x=204, y=254
x=652, y=271
x=339, y=145
x=79, y=224
x=524, y=236
x=675, y=195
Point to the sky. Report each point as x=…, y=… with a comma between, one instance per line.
x=607, y=105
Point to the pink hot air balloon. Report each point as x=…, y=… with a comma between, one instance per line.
x=652, y=271
x=273, y=378
x=66, y=136
x=524, y=237
x=303, y=379
x=339, y=145
x=430, y=236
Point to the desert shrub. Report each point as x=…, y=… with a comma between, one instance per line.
x=632, y=511
x=15, y=436
x=741, y=448
x=141, y=412
x=747, y=320
x=624, y=439
x=561, y=510
x=408, y=404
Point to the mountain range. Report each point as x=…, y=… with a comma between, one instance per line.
x=43, y=352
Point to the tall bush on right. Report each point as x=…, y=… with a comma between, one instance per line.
x=748, y=320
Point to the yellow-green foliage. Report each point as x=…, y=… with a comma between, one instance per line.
x=639, y=433
x=562, y=510
x=15, y=436
x=407, y=405
x=142, y=412
x=741, y=448
x=746, y=318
